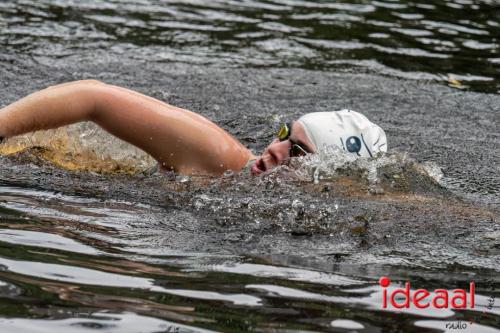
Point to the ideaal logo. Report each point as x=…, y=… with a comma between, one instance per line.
x=440, y=298
x=404, y=298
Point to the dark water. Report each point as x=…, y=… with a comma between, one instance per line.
x=86, y=252
x=80, y=264
x=454, y=42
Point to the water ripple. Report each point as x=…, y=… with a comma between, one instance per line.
x=109, y=322
x=45, y=240
x=79, y=275
x=242, y=33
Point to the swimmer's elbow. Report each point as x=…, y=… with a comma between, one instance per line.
x=94, y=91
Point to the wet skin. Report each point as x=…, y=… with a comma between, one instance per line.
x=180, y=140
x=278, y=152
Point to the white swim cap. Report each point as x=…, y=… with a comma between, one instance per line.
x=349, y=130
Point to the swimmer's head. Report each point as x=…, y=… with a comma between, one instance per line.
x=345, y=129
x=348, y=130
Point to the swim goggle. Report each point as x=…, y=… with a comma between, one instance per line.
x=283, y=134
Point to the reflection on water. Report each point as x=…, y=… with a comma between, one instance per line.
x=79, y=264
x=98, y=321
x=453, y=41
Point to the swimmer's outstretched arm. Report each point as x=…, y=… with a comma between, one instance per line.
x=178, y=139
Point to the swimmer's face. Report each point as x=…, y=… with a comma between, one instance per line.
x=279, y=152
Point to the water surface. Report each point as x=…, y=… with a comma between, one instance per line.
x=454, y=41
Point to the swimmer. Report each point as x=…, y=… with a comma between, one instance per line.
x=181, y=140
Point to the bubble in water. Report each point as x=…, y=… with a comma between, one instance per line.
x=433, y=170
x=182, y=178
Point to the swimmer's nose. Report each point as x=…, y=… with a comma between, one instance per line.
x=279, y=152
